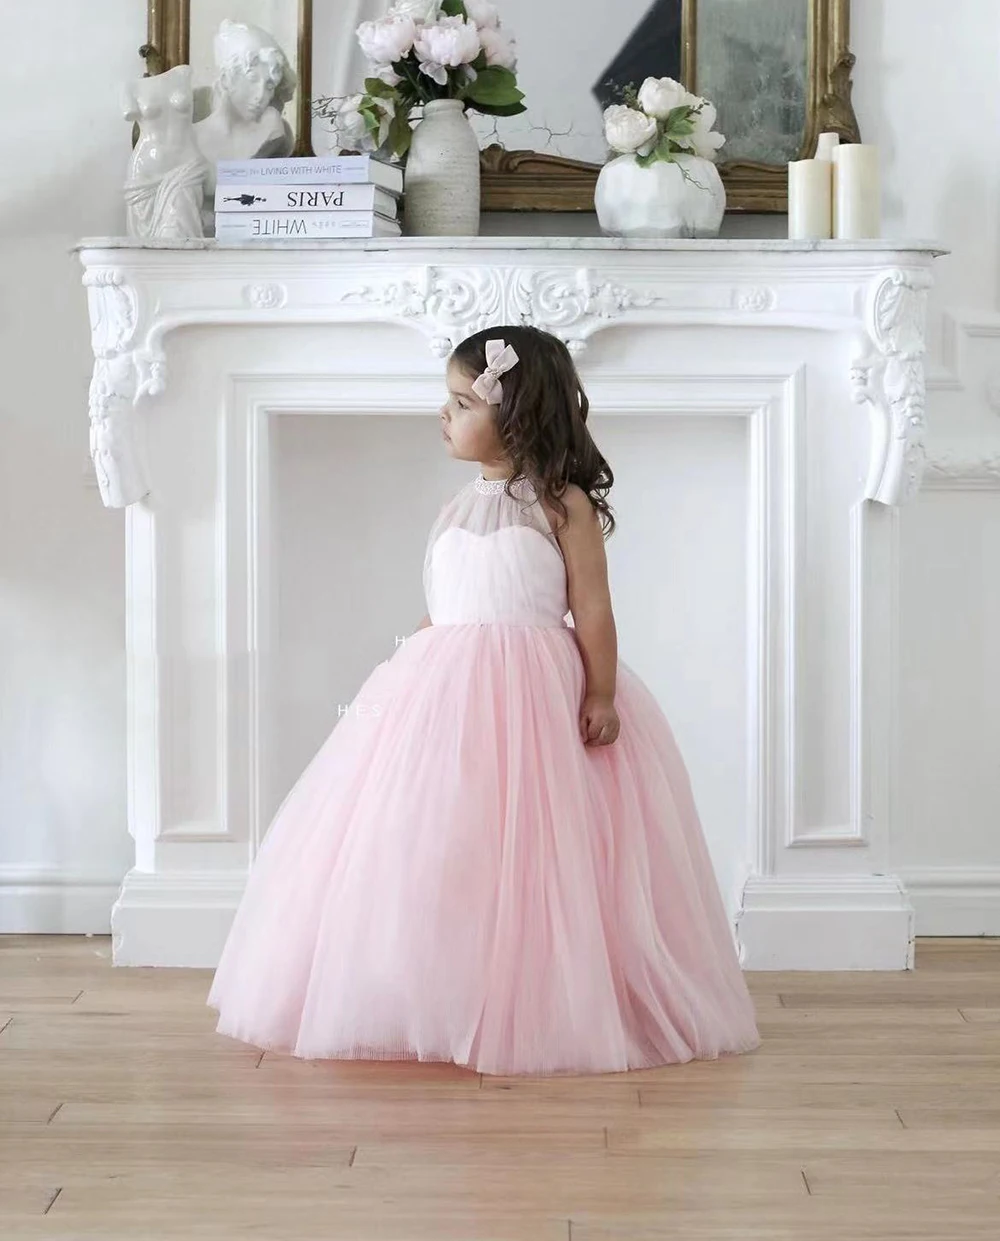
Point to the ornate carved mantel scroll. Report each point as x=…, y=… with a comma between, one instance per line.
x=114, y=388
x=450, y=303
x=889, y=377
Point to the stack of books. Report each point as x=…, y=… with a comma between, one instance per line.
x=303, y=198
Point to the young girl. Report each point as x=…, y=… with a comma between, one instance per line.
x=495, y=858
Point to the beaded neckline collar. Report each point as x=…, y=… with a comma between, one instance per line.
x=490, y=486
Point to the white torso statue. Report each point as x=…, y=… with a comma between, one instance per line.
x=166, y=173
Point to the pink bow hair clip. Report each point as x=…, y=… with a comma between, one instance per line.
x=500, y=357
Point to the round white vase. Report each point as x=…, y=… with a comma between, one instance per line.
x=441, y=182
x=684, y=197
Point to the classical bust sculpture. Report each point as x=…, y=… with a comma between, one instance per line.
x=254, y=82
x=165, y=184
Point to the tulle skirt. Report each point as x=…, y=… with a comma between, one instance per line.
x=456, y=877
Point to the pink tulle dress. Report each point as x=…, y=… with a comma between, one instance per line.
x=456, y=877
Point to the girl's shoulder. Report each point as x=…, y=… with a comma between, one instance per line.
x=578, y=508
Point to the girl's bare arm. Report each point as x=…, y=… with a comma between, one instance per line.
x=582, y=541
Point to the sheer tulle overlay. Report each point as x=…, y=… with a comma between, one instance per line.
x=456, y=877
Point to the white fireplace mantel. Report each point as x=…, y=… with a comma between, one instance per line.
x=573, y=287
x=793, y=336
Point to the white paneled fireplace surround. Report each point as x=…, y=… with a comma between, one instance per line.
x=268, y=418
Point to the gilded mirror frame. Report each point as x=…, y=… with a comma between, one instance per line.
x=534, y=181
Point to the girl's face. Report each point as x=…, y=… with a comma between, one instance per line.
x=467, y=422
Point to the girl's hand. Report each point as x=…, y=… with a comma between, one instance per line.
x=599, y=723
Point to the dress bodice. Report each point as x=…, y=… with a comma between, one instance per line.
x=492, y=558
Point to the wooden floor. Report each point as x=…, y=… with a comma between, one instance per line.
x=871, y=1111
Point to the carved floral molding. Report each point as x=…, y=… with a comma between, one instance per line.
x=113, y=388
x=882, y=305
x=889, y=376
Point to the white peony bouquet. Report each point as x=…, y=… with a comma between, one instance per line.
x=424, y=50
x=661, y=120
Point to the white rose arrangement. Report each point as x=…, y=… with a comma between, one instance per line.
x=420, y=51
x=661, y=121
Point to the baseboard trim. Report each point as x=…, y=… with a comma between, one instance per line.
x=45, y=901
x=836, y=922
x=841, y=923
x=179, y=919
x=951, y=900
x=799, y=923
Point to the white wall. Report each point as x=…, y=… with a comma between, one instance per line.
x=943, y=181
x=63, y=839
x=925, y=91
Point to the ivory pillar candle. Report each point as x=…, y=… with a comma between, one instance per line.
x=809, y=199
x=826, y=144
x=857, y=194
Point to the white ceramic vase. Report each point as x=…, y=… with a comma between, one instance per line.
x=441, y=182
x=684, y=197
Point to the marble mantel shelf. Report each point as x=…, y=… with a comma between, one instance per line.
x=714, y=245
x=449, y=287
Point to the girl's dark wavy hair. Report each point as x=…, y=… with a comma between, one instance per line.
x=542, y=417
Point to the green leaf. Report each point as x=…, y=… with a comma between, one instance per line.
x=378, y=89
x=680, y=129
x=499, y=109
x=663, y=150
x=454, y=8
x=371, y=119
x=495, y=86
x=400, y=135
x=682, y=113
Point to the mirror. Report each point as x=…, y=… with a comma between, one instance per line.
x=754, y=58
x=777, y=70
